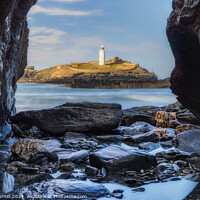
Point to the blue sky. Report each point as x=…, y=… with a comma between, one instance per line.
x=65, y=31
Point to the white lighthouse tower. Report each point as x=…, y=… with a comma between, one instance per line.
x=102, y=56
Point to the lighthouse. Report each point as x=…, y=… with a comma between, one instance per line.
x=102, y=56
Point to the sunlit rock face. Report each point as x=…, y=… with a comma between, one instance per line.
x=183, y=31
x=13, y=51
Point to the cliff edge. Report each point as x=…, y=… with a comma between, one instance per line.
x=13, y=52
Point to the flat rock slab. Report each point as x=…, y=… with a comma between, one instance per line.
x=62, y=189
x=189, y=141
x=115, y=158
x=72, y=157
x=74, y=117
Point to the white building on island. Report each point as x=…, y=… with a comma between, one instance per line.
x=102, y=56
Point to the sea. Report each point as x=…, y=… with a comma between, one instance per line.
x=34, y=96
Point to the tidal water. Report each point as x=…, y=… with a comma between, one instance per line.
x=32, y=96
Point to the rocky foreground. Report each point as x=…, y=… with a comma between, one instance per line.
x=117, y=73
x=73, y=154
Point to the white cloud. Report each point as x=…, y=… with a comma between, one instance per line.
x=50, y=47
x=57, y=11
x=45, y=36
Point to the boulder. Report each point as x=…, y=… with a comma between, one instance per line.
x=68, y=167
x=149, y=146
x=163, y=119
x=189, y=141
x=116, y=158
x=143, y=113
x=91, y=171
x=110, y=138
x=146, y=137
x=188, y=117
x=15, y=166
x=136, y=128
x=167, y=170
x=63, y=189
x=183, y=34
x=72, y=157
x=28, y=147
x=76, y=117
x=186, y=127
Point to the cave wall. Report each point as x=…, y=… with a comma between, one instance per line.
x=183, y=32
x=13, y=52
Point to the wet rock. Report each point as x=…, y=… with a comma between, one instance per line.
x=168, y=136
x=161, y=132
x=39, y=178
x=118, y=191
x=68, y=167
x=115, y=158
x=82, y=177
x=73, y=157
x=181, y=163
x=65, y=176
x=189, y=141
x=195, y=177
x=173, y=154
x=139, y=189
x=66, y=146
x=28, y=147
x=91, y=171
x=186, y=127
x=144, y=114
x=75, y=117
x=195, y=162
x=136, y=128
x=166, y=144
x=117, y=195
x=60, y=188
x=15, y=166
x=187, y=117
x=146, y=137
x=30, y=170
x=39, y=158
x=109, y=138
x=32, y=133
x=142, y=127
x=149, y=146
x=5, y=133
x=167, y=170
x=17, y=131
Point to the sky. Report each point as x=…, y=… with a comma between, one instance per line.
x=65, y=31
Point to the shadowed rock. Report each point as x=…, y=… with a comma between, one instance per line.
x=13, y=51
x=116, y=158
x=183, y=34
x=76, y=117
x=63, y=189
x=189, y=141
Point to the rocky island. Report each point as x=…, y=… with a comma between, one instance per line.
x=115, y=73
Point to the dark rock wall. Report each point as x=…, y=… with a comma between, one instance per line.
x=183, y=31
x=13, y=51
